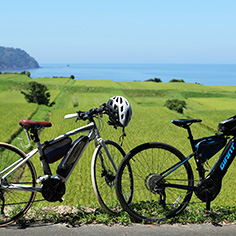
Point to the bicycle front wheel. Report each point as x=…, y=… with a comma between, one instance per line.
x=103, y=176
x=14, y=203
x=155, y=197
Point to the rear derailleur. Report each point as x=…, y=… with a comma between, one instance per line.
x=155, y=184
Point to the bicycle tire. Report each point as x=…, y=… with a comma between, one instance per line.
x=15, y=203
x=152, y=200
x=103, y=179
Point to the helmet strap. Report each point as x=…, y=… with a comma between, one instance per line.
x=122, y=137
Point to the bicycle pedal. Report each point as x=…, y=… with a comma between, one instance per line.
x=42, y=178
x=2, y=216
x=209, y=212
x=38, y=181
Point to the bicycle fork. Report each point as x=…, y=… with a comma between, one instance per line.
x=107, y=173
x=102, y=143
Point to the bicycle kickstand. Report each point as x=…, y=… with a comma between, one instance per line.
x=208, y=204
x=211, y=213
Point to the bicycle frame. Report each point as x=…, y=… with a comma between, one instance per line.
x=217, y=172
x=93, y=134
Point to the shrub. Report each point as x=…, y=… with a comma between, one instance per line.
x=157, y=80
x=37, y=94
x=25, y=73
x=177, y=80
x=176, y=105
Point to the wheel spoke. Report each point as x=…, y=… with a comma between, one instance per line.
x=152, y=198
x=13, y=203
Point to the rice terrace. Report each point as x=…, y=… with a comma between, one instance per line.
x=151, y=121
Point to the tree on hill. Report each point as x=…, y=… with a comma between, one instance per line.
x=157, y=80
x=177, y=81
x=176, y=105
x=37, y=94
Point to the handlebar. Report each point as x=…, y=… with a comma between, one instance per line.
x=69, y=116
x=88, y=115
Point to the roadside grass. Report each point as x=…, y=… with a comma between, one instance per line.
x=78, y=215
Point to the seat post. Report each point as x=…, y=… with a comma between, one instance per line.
x=190, y=137
x=185, y=123
x=44, y=162
x=35, y=135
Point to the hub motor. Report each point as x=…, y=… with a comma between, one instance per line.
x=207, y=190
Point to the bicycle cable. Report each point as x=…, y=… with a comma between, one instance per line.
x=100, y=124
x=122, y=137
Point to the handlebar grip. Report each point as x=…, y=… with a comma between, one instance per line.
x=69, y=116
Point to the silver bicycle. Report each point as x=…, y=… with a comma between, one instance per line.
x=19, y=182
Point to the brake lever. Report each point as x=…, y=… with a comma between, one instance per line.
x=85, y=117
x=78, y=116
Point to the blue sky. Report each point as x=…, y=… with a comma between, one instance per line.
x=124, y=31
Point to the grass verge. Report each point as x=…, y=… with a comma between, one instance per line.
x=78, y=216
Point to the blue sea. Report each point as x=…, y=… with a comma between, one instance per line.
x=206, y=74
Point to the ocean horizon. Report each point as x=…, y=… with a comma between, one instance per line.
x=206, y=74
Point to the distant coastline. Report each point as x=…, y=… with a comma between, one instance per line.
x=206, y=74
x=15, y=58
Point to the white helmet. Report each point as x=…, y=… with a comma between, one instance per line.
x=119, y=111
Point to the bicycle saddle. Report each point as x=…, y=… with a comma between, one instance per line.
x=185, y=122
x=30, y=124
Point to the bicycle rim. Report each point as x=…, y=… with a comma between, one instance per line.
x=14, y=203
x=152, y=199
x=104, y=174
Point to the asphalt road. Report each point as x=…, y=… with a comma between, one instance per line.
x=137, y=230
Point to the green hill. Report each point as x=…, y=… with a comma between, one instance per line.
x=11, y=58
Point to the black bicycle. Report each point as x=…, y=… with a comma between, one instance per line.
x=162, y=177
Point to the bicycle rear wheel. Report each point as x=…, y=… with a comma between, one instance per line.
x=103, y=176
x=14, y=203
x=154, y=198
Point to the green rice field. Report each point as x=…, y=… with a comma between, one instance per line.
x=151, y=121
